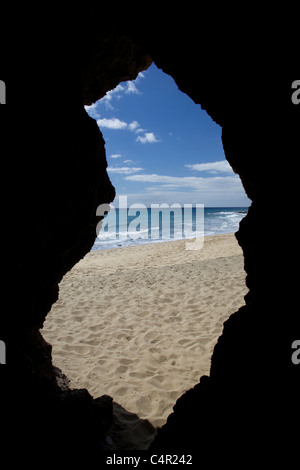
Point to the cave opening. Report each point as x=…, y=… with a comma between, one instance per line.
x=56, y=169
x=140, y=323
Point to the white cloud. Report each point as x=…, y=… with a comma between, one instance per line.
x=112, y=123
x=116, y=155
x=212, y=184
x=131, y=88
x=123, y=170
x=92, y=110
x=185, y=196
x=211, y=191
x=174, y=180
x=139, y=130
x=212, y=167
x=133, y=126
x=115, y=123
x=126, y=88
x=149, y=138
x=110, y=95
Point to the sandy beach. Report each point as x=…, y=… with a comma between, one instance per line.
x=140, y=323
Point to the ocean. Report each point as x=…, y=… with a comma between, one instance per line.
x=139, y=226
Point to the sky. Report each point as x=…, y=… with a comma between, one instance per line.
x=161, y=147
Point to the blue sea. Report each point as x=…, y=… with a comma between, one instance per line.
x=138, y=226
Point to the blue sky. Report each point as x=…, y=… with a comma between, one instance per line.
x=163, y=148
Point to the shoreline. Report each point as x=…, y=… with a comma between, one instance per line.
x=140, y=324
x=154, y=242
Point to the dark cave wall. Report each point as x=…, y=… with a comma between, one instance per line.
x=253, y=386
x=57, y=175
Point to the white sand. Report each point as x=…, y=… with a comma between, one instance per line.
x=140, y=323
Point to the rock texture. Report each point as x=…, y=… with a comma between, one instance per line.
x=56, y=170
x=58, y=177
